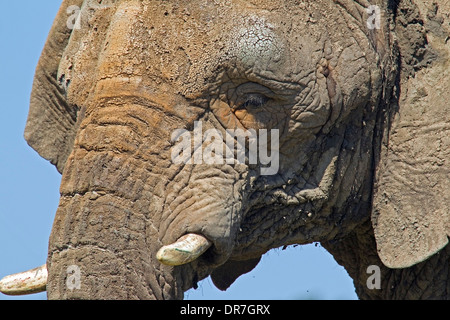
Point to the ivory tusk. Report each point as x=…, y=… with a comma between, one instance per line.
x=28, y=282
x=187, y=249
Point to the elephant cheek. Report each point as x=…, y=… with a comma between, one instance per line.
x=211, y=206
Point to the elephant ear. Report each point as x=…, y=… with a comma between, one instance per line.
x=412, y=182
x=50, y=127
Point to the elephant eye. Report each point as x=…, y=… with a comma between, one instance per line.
x=253, y=101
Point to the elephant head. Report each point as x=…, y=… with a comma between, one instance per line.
x=347, y=97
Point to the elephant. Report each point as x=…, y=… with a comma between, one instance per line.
x=355, y=97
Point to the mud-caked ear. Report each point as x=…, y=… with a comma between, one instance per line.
x=50, y=128
x=411, y=204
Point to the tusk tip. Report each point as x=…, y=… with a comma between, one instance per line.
x=28, y=282
x=186, y=249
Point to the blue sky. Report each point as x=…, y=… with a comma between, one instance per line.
x=29, y=185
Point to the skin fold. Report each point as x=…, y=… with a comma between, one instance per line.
x=109, y=95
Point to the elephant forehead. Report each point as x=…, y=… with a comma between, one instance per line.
x=188, y=45
x=188, y=42
x=246, y=43
x=231, y=36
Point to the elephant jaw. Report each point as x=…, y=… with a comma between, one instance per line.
x=186, y=249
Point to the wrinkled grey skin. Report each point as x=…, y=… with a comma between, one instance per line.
x=108, y=96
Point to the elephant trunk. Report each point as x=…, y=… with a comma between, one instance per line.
x=123, y=200
x=100, y=250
